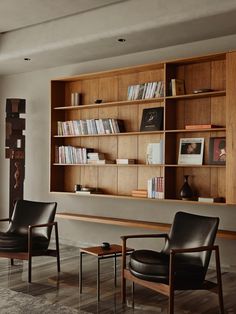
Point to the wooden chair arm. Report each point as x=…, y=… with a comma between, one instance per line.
x=43, y=225
x=192, y=250
x=155, y=235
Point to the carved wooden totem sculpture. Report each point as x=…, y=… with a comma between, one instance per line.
x=15, y=149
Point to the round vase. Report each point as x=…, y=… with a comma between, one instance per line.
x=186, y=193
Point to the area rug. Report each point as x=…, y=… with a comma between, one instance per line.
x=12, y=302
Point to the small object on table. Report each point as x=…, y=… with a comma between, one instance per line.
x=106, y=245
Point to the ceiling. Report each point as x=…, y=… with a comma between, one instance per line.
x=59, y=32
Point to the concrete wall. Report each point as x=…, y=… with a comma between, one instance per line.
x=35, y=87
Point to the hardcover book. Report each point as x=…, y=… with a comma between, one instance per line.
x=152, y=119
x=177, y=87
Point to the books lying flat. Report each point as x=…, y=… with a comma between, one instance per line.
x=211, y=199
x=125, y=161
x=89, y=192
x=201, y=126
x=100, y=162
x=139, y=193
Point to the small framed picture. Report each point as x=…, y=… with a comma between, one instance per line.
x=191, y=151
x=152, y=119
x=217, y=151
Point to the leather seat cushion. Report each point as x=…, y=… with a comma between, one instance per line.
x=11, y=242
x=154, y=266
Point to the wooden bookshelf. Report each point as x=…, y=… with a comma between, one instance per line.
x=216, y=107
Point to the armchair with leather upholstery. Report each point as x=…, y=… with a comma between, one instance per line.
x=29, y=232
x=183, y=262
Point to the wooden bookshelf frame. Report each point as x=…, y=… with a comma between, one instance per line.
x=216, y=107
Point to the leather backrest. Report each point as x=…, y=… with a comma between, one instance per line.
x=27, y=213
x=189, y=231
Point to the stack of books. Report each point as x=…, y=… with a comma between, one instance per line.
x=88, y=191
x=98, y=159
x=140, y=193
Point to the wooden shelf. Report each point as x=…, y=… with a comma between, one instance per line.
x=226, y=234
x=111, y=134
x=113, y=103
x=196, y=130
x=199, y=95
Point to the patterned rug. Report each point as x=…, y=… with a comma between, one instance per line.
x=12, y=302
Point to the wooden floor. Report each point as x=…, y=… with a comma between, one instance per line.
x=65, y=290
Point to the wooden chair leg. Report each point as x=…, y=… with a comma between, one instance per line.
x=12, y=261
x=57, y=248
x=171, y=301
x=219, y=281
x=29, y=268
x=132, y=294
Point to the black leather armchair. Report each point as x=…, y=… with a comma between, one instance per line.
x=183, y=262
x=29, y=232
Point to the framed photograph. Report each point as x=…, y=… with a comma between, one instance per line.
x=217, y=151
x=191, y=151
x=152, y=119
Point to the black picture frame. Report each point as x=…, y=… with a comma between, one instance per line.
x=217, y=151
x=152, y=119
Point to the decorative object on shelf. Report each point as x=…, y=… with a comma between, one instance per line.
x=186, y=193
x=177, y=87
x=125, y=161
x=152, y=119
x=78, y=187
x=217, y=151
x=15, y=149
x=106, y=245
x=202, y=90
x=88, y=190
x=76, y=99
x=191, y=151
x=98, y=101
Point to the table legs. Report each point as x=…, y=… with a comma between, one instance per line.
x=80, y=272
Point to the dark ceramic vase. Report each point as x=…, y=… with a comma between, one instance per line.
x=186, y=193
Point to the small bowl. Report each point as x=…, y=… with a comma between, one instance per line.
x=105, y=245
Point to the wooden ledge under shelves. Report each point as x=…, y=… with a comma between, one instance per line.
x=129, y=197
x=227, y=234
x=112, y=103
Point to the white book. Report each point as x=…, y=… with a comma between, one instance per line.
x=154, y=153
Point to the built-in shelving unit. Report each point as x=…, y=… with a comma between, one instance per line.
x=217, y=107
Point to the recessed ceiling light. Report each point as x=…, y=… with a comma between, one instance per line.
x=27, y=59
x=121, y=40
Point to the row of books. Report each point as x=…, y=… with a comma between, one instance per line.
x=146, y=90
x=71, y=154
x=90, y=126
x=155, y=188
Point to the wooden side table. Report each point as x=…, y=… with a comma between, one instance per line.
x=114, y=251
